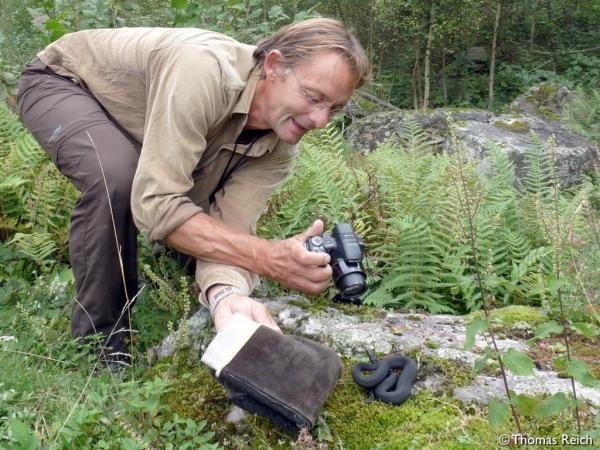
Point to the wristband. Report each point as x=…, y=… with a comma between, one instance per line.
x=221, y=295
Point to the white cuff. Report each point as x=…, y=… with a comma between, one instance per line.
x=228, y=342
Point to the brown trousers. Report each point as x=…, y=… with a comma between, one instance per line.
x=100, y=159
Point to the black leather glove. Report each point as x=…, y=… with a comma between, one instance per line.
x=285, y=378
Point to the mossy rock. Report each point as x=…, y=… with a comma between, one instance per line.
x=429, y=419
x=547, y=113
x=516, y=125
x=503, y=319
x=542, y=93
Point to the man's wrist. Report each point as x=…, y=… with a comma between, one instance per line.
x=218, y=294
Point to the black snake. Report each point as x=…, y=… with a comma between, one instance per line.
x=383, y=381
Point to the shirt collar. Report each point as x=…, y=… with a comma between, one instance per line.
x=245, y=101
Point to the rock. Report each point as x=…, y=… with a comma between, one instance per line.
x=199, y=324
x=545, y=101
x=438, y=336
x=543, y=382
x=476, y=129
x=574, y=155
x=236, y=415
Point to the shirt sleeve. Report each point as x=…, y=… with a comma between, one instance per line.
x=239, y=204
x=185, y=95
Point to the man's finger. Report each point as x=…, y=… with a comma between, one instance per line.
x=308, y=258
x=315, y=229
x=261, y=315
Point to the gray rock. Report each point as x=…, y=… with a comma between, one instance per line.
x=199, y=323
x=546, y=101
x=574, y=155
x=543, y=382
x=477, y=129
x=440, y=336
x=236, y=415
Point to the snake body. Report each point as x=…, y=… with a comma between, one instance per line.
x=383, y=381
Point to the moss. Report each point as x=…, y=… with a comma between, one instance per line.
x=432, y=345
x=544, y=111
x=503, y=319
x=428, y=419
x=543, y=93
x=414, y=317
x=515, y=125
x=587, y=350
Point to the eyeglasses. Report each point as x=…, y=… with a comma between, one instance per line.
x=316, y=103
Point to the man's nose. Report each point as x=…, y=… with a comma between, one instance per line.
x=320, y=117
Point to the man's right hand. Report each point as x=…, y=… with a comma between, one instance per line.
x=290, y=263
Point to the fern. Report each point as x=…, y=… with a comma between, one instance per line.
x=583, y=114
x=39, y=247
x=33, y=195
x=405, y=202
x=414, y=277
x=323, y=185
x=10, y=129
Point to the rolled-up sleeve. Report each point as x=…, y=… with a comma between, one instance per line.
x=239, y=204
x=182, y=105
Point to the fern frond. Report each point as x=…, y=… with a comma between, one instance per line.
x=38, y=247
x=415, y=276
x=11, y=128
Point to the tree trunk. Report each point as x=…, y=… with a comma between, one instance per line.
x=532, y=26
x=415, y=79
x=371, y=24
x=427, y=71
x=493, y=56
x=551, y=41
x=444, y=87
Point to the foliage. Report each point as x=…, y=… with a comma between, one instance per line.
x=8, y=83
x=245, y=20
x=583, y=114
x=403, y=202
x=35, y=200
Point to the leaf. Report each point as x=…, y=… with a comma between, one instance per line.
x=518, y=362
x=179, y=4
x=476, y=326
x=479, y=364
x=498, y=410
x=588, y=330
x=581, y=372
x=275, y=12
x=554, y=404
x=526, y=405
x=23, y=435
x=130, y=444
x=546, y=329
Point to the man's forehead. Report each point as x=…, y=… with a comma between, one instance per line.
x=327, y=75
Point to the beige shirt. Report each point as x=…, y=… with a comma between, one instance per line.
x=185, y=95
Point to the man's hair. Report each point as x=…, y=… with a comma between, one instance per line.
x=300, y=41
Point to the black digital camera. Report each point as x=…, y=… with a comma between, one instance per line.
x=346, y=249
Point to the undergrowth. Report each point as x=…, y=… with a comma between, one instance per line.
x=527, y=243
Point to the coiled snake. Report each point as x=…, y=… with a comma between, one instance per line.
x=383, y=382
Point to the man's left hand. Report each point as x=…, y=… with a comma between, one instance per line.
x=247, y=306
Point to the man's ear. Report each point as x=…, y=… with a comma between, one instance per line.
x=273, y=65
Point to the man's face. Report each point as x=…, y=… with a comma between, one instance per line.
x=301, y=99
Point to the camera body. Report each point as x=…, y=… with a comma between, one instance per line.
x=346, y=249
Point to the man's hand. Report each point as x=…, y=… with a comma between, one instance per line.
x=291, y=264
x=238, y=303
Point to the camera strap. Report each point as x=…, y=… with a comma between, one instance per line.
x=228, y=171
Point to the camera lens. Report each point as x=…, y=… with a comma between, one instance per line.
x=352, y=285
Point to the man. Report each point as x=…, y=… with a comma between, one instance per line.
x=184, y=133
